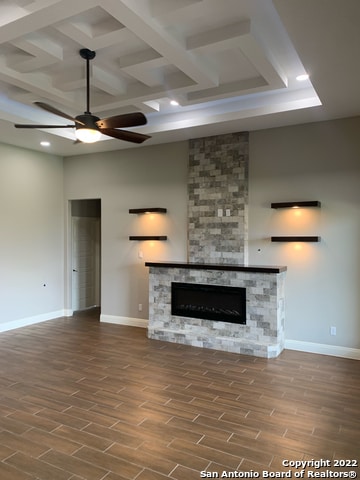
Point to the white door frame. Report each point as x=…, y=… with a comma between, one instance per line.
x=69, y=257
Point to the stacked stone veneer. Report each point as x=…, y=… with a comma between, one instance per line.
x=263, y=334
x=218, y=179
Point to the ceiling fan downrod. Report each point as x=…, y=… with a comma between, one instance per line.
x=87, y=55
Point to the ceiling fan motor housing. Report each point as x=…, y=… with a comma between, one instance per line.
x=87, y=121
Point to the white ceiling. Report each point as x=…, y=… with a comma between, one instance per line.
x=231, y=65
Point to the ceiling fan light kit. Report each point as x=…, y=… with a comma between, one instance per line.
x=87, y=131
x=87, y=135
x=89, y=127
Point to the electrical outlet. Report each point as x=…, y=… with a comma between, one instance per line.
x=140, y=307
x=220, y=212
x=332, y=330
x=228, y=212
x=141, y=254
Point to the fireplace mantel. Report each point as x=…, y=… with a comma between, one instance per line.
x=217, y=266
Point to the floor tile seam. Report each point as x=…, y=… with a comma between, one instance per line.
x=179, y=466
x=260, y=426
x=8, y=430
x=121, y=459
x=329, y=441
x=45, y=463
x=99, y=406
x=136, y=476
x=192, y=422
x=27, y=453
x=92, y=421
x=38, y=417
x=198, y=423
x=233, y=435
x=147, y=467
x=64, y=437
x=112, y=430
x=243, y=455
x=69, y=418
x=77, y=459
x=210, y=452
x=3, y=460
x=298, y=453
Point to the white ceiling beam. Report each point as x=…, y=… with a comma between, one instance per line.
x=129, y=13
x=109, y=83
x=40, y=19
x=241, y=36
x=142, y=57
x=256, y=54
x=138, y=93
x=227, y=36
x=83, y=37
x=42, y=53
x=233, y=89
x=39, y=85
x=148, y=72
x=170, y=8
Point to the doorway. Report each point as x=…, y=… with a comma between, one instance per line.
x=85, y=254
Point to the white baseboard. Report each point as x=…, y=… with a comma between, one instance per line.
x=131, y=322
x=24, y=322
x=323, y=349
x=320, y=348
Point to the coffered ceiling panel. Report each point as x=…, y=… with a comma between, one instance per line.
x=222, y=61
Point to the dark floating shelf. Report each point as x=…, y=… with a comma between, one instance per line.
x=147, y=210
x=308, y=203
x=148, y=237
x=296, y=239
x=217, y=266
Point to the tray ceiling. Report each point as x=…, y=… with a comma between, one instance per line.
x=229, y=65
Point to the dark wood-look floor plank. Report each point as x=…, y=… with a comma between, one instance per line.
x=80, y=399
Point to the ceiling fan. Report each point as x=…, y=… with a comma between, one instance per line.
x=89, y=127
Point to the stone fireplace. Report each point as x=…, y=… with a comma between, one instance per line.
x=217, y=251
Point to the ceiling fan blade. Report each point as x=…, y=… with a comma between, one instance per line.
x=55, y=111
x=31, y=125
x=124, y=135
x=122, y=121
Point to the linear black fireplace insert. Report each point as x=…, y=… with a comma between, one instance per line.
x=209, y=302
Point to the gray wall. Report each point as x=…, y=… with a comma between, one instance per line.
x=319, y=161
x=32, y=235
x=145, y=177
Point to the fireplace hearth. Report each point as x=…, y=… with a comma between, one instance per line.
x=209, y=302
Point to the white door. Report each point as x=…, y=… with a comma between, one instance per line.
x=85, y=262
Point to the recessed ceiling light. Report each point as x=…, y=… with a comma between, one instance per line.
x=302, y=78
x=174, y=103
x=45, y=144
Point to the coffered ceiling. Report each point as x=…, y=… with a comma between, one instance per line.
x=230, y=64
